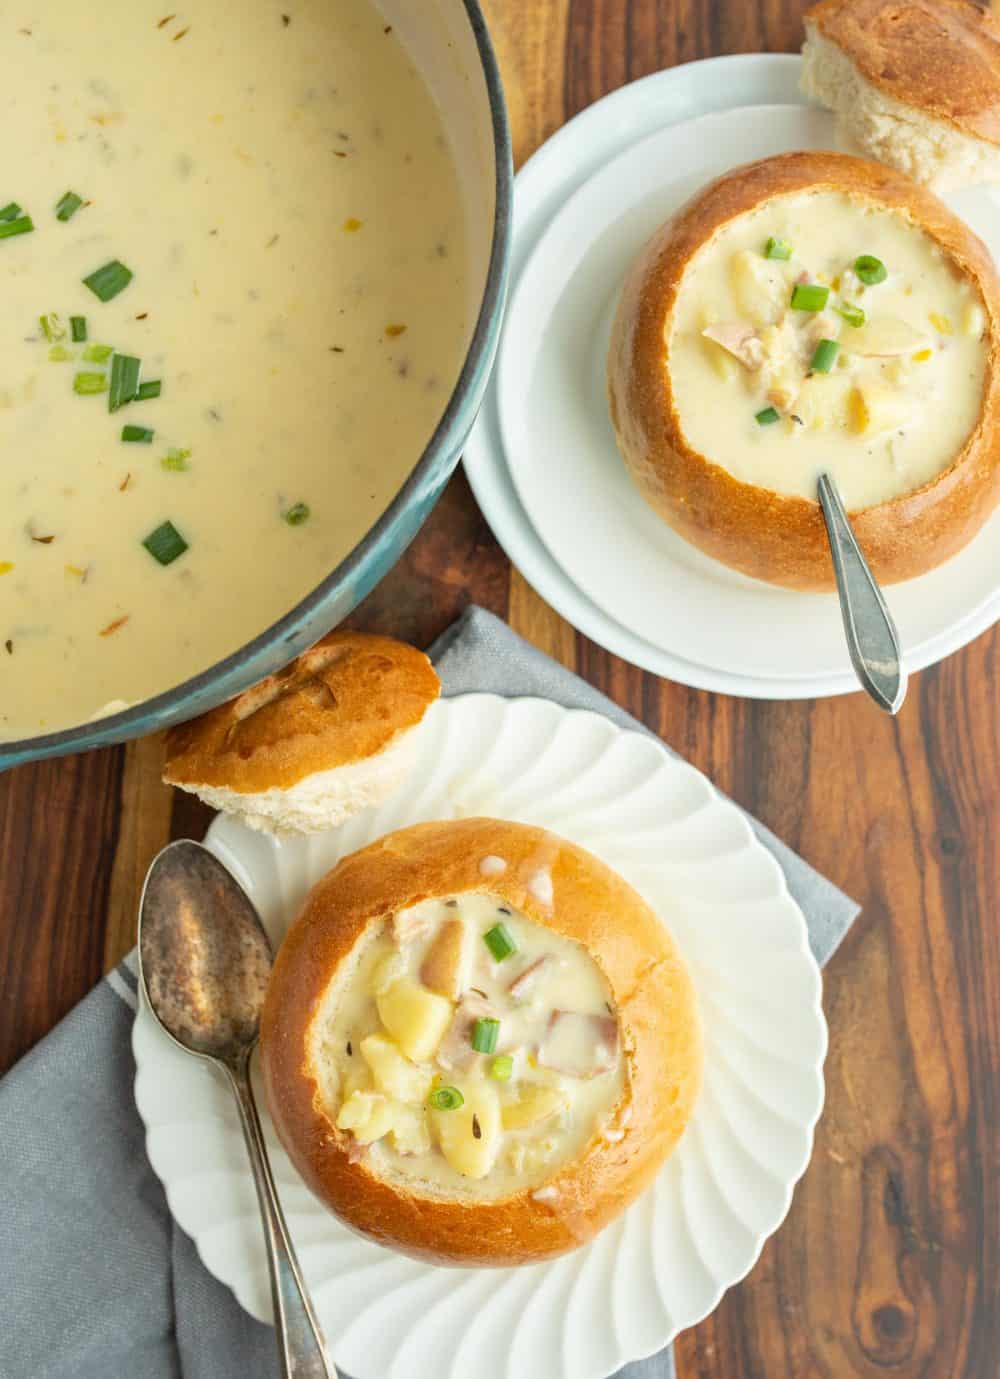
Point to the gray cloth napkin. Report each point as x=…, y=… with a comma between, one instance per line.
x=97, y=1282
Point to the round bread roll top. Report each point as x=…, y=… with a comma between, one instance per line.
x=915, y=82
x=331, y=733
x=479, y=1044
x=812, y=313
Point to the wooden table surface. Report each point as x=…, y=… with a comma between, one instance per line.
x=888, y=1264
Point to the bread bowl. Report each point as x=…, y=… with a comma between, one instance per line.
x=913, y=83
x=723, y=413
x=332, y=733
x=376, y=1008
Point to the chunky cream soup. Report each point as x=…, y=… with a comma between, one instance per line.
x=249, y=216
x=471, y=1049
x=821, y=333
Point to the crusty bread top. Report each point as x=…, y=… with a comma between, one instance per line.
x=938, y=56
x=342, y=701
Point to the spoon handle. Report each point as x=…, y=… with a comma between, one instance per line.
x=872, y=639
x=301, y=1348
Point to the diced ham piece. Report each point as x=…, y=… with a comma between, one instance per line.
x=455, y=1049
x=525, y=980
x=579, y=1045
x=446, y=962
x=740, y=339
x=411, y=924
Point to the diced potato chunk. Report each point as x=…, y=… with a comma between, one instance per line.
x=470, y=1136
x=410, y=1134
x=876, y=408
x=393, y=1073
x=388, y=969
x=368, y=1116
x=760, y=288
x=720, y=359
x=415, y=1017
x=534, y=1105
x=886, y=335
x=357, y=1078
x=823, y=401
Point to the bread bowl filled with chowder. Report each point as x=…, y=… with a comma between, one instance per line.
x=479, y=1043
x=246, y=255
x=814, y=313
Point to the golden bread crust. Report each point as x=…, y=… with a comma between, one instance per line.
x=654, y=997
x=342, y=701
x=765, y=534
x=941, y=57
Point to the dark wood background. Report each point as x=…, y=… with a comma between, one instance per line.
x=888, y=1264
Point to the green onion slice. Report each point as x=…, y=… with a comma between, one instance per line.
x=767, y=417
x=21, y=226
x=825, y=356
x=125, y=370
x=500, y=941
x=165, y=544
x=870, y=270
x=777, y=249
x=58, y=354
x=108, y=281
x=68, y=205
x=446, y=1099
x=87, y=383
x=297, y=514
x=52, y=327
x=151, y=389
x=852, y=314
x=809, y=296
x=176, y=460
x=502, y=1067
x=10, y=212
x=137, y=434
x=485, y=1033
x=78, y=328
x=98, y=354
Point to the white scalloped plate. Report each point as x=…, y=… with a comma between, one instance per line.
x=665, y=1263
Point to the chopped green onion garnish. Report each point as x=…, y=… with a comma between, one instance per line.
x=78, y=328
x=777, y=249
x=767, y=417
x=852, y=314
x=176, y=460
x=165, y=544
x=10, y=212
x=98, y=354
x=446, y=1099
x=59, y=354
x=140, y=434
x=500, y=941
x=151, y=389
x=52, y=327
x=125, y=369
x=21, y=226
x=297, y=514
x=68, y=205
x=86, y=383
x=502, y=1067
x=870, y=270
x=485, y=1033
x=825, y=356
x=108, y=281
x=809, y=296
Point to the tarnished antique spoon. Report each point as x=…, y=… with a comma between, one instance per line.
x=205, y=960
x=872, y=639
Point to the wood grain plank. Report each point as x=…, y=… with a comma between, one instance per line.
x=144, y=812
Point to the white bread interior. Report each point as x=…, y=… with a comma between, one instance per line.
x=929, y=150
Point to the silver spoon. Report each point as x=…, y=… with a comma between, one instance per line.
x=204, y=962
x=872, y=639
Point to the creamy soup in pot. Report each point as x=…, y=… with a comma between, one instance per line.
x=819, y=333
x=234, y=290
x=471, y=1050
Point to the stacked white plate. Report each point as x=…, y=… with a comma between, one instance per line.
x=542, y=460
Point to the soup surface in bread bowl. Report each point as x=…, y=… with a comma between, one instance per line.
x=810, y=313
x=479, y=1044
x=279, y=206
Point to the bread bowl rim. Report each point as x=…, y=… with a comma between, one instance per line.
x=591, y=905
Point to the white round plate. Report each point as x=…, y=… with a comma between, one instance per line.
x=664, y=1264
x=603, y=559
